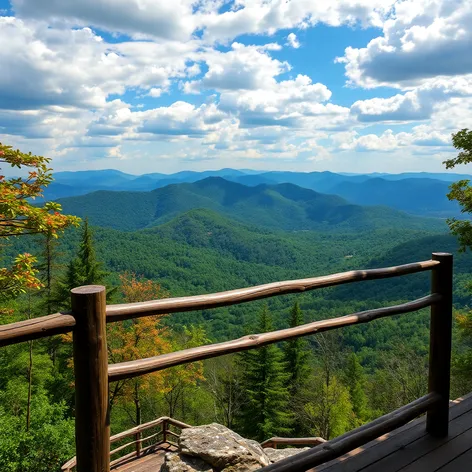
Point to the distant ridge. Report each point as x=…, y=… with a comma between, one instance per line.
x=421, y=193
x=283, y=206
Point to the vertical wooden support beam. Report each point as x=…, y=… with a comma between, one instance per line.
x=437, y=422
x=92, y=425
x=164, y=431
x=137, y=438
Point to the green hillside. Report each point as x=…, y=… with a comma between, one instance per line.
x=281, y=207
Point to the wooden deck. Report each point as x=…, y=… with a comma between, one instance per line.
x=148, y=463
x=410, y=449
x=407, y=449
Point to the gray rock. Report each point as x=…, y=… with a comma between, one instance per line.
x=175, y=462
x=276, y=455
x=222, y=448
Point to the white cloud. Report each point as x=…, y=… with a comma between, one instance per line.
x=420, y=137
x=292, y=41
x=44, y=66
x=414, y=105
x=289, y=103
x=155, y=92
x=241, y=68
x=268, y=16
x=179, y=119
x=423, y=39
x=60, y=79
x=371, y=142
x=169, y=20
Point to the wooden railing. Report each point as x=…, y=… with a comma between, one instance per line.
x=93, y=374
x=275, y=442
x=161, y=439
x=158, y=438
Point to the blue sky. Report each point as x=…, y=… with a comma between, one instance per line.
x=159, y=86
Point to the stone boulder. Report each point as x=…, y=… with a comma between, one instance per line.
x=215, y=448
x=222, y=448
x=175, y=462
x=276, y=455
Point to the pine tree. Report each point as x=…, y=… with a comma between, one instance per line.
x=296, y=355
x=84, y=269
x=296, y=358
x=266, y=411
x=72, y=278
x=355, y=381
x=90, y=269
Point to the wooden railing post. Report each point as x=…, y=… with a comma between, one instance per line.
x=137, y=438
x=164, y=431
x=92, y=426
x=437, y=422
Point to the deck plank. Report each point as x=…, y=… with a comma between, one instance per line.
x=460, y=463
x=150, y=462
x=444, y=454
x=404, y=446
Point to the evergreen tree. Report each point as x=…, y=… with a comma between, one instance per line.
x=84, y=269
x=266, y=411
x=355, y=381
x=90, y=268
x=296, y=355
x=296, y=358
x=71, y=278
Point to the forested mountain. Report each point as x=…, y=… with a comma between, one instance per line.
x=283, y=206
x=417, y=193
x=419, y=196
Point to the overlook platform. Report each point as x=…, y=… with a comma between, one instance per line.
x=407, y=449
x=411, y=449
x=390, y=443
x=148, y=463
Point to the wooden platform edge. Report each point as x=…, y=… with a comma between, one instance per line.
x=457, y=408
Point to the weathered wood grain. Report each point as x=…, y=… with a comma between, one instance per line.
x=135, y=368
x=276, y=441
x=92, y=422
x=58, y=323
x=440, y=342
x=355, y=438
x=234, y=297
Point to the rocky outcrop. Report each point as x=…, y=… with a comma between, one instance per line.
x=215, y=448
x=181, y=463
x=222, y=448
x=276, y=455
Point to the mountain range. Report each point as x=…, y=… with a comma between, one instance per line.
x=416, y=193
x=282, y=206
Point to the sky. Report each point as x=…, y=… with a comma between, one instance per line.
x=303, y=85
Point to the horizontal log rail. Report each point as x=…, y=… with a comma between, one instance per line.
x=163, y=421
x=357, y=437
x=13, y=333
x=135, y=368
x=235, y=297
x=276, y=441
x=61, y=323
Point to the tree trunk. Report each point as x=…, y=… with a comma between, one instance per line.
x=137, y=404
x=30, y=381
